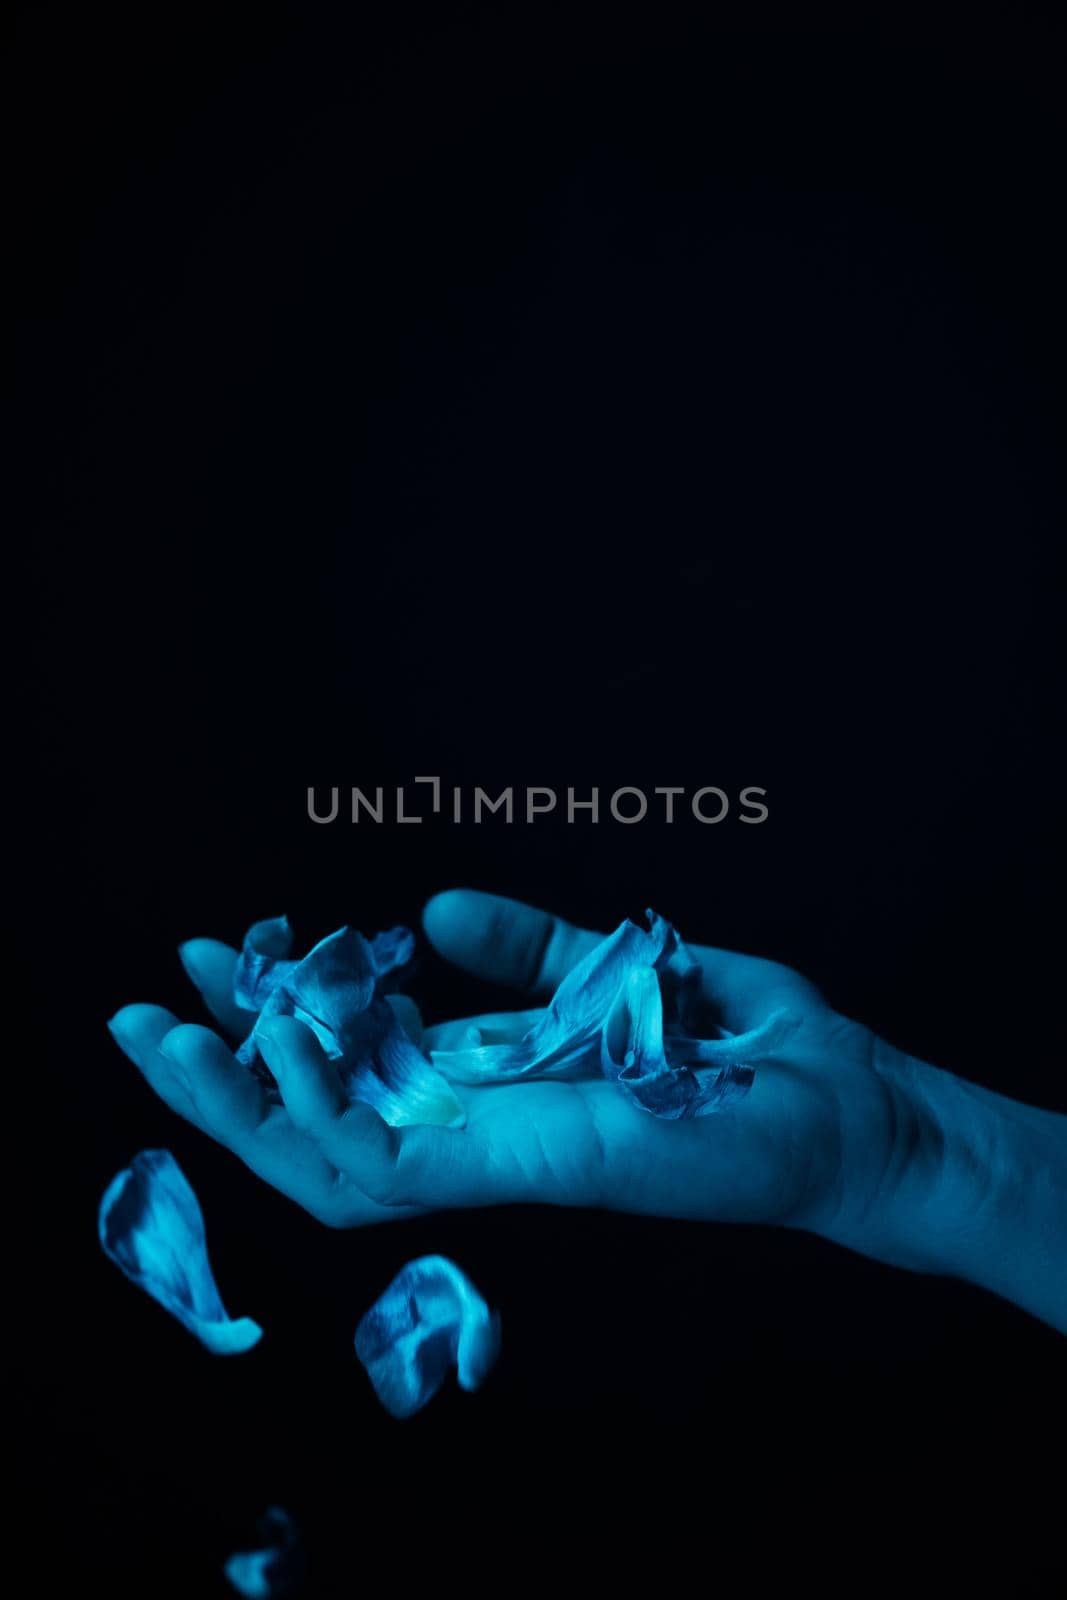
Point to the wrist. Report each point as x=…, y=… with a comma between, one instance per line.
x=984, y=1197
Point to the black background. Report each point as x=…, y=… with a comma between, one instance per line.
x=540, y=396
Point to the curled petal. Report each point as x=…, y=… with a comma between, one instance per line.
x=393, y=1075
x=680, y=981
x=633, y=1055
x=276, y=1568
x=735, y=1049
x=564, y=1040
x=392, y=952
x=262, y=962
x=152, y=1228
x=579, y=1004
x=329, y=990
x=429, y=1320
x=336, y=990
x=673, y=1076
x=332, y=989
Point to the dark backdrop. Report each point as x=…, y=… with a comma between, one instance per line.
x=540, y=397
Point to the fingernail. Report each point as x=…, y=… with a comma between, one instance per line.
x=178, y=1066
x=116, y=1026
x=166, y=1040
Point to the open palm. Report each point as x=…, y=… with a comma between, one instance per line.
x=823, y=1131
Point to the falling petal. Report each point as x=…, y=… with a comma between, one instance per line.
x=152, y=1227
x=274, y=1570
x=564, y=1040
x=429, y=1320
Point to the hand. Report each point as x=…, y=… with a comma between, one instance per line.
x=840, y=1134
x=821, y=1132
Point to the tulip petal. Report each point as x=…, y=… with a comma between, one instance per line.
x=329, y=990
x=393, y=1075
x=429, y=1320
x=681, y=982
x=392, y=952
x=633, y=1055
x=564, y=1040
x=274, y=1570
x=264, y=951
x=337, y=991
x=152, y=1228
x=630, y=1010
x=674, y=1076
x=733, y=1049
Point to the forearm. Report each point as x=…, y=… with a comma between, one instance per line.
x=991, y=1205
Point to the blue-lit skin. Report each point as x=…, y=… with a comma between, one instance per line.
x=430, y=1320
x=840, y=1133
x=275, y=1569
x=151, y=1226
